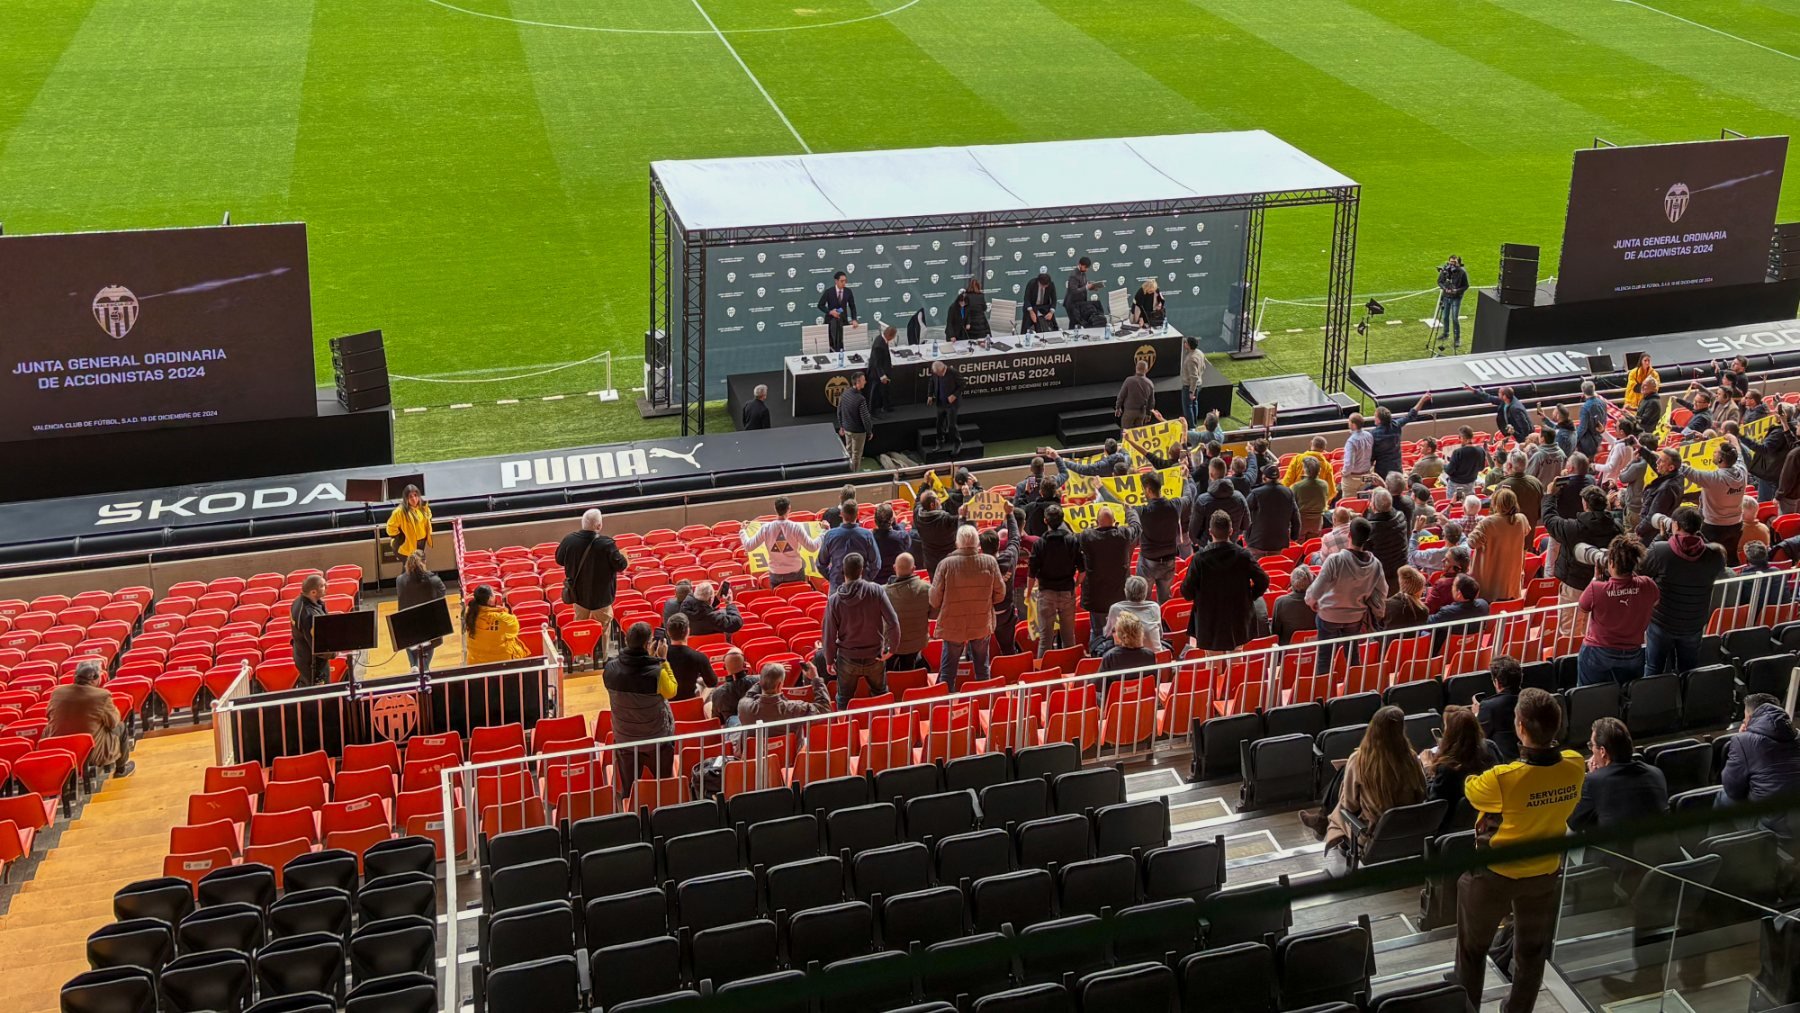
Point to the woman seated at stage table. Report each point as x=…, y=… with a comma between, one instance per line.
x=968, y=319
x=1147, y=309
x=489, y=630
x=409, y=526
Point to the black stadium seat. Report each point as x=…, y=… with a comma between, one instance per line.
x=599, y=832
x=1075, y=944
x=779, y=992
x=634, y=970
x=1238, y=978
x=332, y=867
x=617, y=870
x=396, y=993
x=901, y=868
x=974, y=965
x=1030, y=999
x=1056, y=840
x=528, y=883
x=706, y=853
x=1708, y=696
x=1416, y=697
x=783, y=839
x=552, y=985
x=236, y=926
x=1130, y=827
x=932, y=818
x=874, y=981
x=973, y=856
x=849, y=832
x=1653, y=705
x=897, y=784
x=626, y=917
x=1352, y=709
x=1584, y=705
x=216, y=980
x=1194, y=869
x=716, y=900
x=1248, y=913
x=748, y=808
x=1085, y=790
x=516, y=847
x=139, y=942
x=1686, y=764
x=1006, y=805
x=1046, y=761
x=250, y=883
x=1157, y=930
x=726, y=953
x=824, y=798
x=1278, y=770
x=403, y=893
x=1097, y=885
x=923, y=917
x=1339, y=742
x=1294, y=719
x=522, y=934
x=321, y=909
x=1216, y=743
x=686, y=818
x=1018, y=899
x=1332, y=964
x=1444, y=998
x=828, y=934
x=110, y=990
x=300, y=1002
x=408, y=944
x=973, y=773
x=312, y=962
x=796, y=886
x=1136, y=987
x=168, y=898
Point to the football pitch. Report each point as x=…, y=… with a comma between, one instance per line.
x=473, y=173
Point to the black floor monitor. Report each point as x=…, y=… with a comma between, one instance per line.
x=344, y=632
x=420, y=624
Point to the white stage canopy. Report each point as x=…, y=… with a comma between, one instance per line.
x=723, y=194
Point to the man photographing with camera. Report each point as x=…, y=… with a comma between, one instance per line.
x=1452, y=282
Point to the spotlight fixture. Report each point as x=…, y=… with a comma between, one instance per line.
x=1374, y=308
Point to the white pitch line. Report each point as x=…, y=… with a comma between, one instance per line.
x=1715, y=31
x=669, y=31
x=729, y=48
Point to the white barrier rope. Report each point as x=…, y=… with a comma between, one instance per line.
x=521, y=376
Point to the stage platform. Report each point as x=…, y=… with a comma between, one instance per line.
x=1298, y=397
x=1499, y=327
x=1016, y=416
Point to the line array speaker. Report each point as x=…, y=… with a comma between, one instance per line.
x=1518, y=274
x=1784, y=252
x=359, y=365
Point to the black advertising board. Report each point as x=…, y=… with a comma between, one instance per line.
x=120, y=331
x=1667, y=216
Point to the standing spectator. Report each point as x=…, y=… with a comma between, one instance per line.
x=1629, y=472
x=1387, y=432
x=1465, y=464
x=1443, y=590
x=1524, y=486
x=1113, y=460
x=1193, y=373
x=1460, y=753
x=891, y=539
x=1620, y=608
x=1274, y=517
x=1005, y=553
x=1510, y=418
x=1634, y=381
x=1650, y=408
x=964, y=590
x=315, y=669
x=591, y=565
x=684, y=589
x=1762, y=762
x=409, y=526
x=859, y=632
x=838, y=543
x=1382, y=773
x=935, y=530
x=1222, y=497
x=1359, y=456
x=1498, y=544
x=854, y=420
x=708, y=614
x=1387, y=533
x=1136, y=398
x=1593, y=526
x=1459, y=616
x=785, y=540
x=1053, y=568
x=1684, y=568
x=84, y=707
x=639, y=685
x=1546, y=458
x=1033, y=485
x=1662, y=497
x=417, y=586
x=1622, y=791
x=691, y=668
x=1722, y=497
x=1350, y=593
x=1049, y=495
x=1296, y=468
x=1496, y=711
x=766, y=702
x=1209, y=433
x=1229, y=581
x=1429, y=467
x=1401, y=495
x=1559, y=427
x=1591, y=424
x=1106, y=558
x=756, y=411
x=1291, y=613
x=880, y=372
x=1699, y=403
x=1312, y=497
x=1567, y=487
x=723, y=702
x=1159, y=521
x=490, y=631
x=1519, y=802
x=911, y=598
x=1770, y=453
x=1137, y=603
x=1406, y=606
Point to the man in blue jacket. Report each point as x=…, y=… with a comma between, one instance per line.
x=848, y=537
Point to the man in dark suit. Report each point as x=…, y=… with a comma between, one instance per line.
x=838, y=304
x=1078, y=299
x=756, y=412
x=1496, y=712
x=946, y=394
x=1618, y=789
x=1040, y=303
x=881, y=372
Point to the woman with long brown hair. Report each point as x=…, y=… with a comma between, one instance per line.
x=1498, y=543
x=1462, y=751
x=1382, y=774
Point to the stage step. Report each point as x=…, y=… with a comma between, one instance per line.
x=1088, y=426
x=932, y=453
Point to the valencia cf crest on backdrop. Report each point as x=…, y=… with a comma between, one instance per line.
x=116, y=310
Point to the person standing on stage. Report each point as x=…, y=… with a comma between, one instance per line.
x=1136, y=398
x=1082, y=310
x=946, y=394
x=1453, y=281
x=967, y=319
x=1040, y=303
x=1193, y=372
x=881, y=373
x=1147, y=309
x=409, y=526
x=839, y=305
x=855, y=423
x=314, y=669
x=756, y=412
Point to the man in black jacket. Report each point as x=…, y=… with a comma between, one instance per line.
x=1510, y=418
x=1762, y=761
x=1106, y=558
x=1222, y=496
x=881, y=372
x=1452, y=281
x=945, y=391
x=1049, y=495
x=1078, y=299
x=1465, y=465
x=1594, y=526
x=1496, y=711
x=935, y=530
x=315, y=669
x=1620, y=791
x=756, y=410
x=639, y=710
x=591, y=564
x=1684, y=568
x=1274, y=519
x=1389, y=534
x=1054, y=565
x=1387, y=431
x=854, y=420
x=1040, y=303
x=1160, y=538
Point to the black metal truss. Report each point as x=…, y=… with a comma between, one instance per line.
x=658, y=373
x=1335, y=370
x=1246, y=321
x=693, y=340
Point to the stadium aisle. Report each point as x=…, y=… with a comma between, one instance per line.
x=121, y=835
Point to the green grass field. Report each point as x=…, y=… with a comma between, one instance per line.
x=474, y=172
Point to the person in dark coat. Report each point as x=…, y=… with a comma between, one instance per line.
x=1039, y=304
x=891, y=539
x=1387, y=431
x=881, y=372
x=706, y=615
x=1496, y=711
x=315, y=669
x=638, y=695
x=1510, y=418
x=1160, y=536
x=756, y=410
x=1106, y=558
x=1622, y=791
x=84, y=707
x=1223, y=496
x=1762, y=762
x=416, y=586
x=934, y=529
x=1274, y=517
x=1389, y=534
x=967, y=319
x=592, y=565
x=1229, y=582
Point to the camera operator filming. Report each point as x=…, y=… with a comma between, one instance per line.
x=1452, y=282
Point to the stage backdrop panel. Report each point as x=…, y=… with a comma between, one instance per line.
x=759, y=295
x=119, y=331
x=1665, y=216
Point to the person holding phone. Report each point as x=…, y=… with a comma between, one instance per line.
x=711, y=610
x=409, y=526
x=639, y=685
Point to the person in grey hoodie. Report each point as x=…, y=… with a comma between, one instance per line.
x=858, y=633
x=1545, y=461
x=1349, y=592
x=1721, y=497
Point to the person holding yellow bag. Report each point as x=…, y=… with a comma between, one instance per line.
x=409, y=526
x=639, y=684
x=489, y=630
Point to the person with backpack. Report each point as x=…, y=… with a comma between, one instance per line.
x=591, y=565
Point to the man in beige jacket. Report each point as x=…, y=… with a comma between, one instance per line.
x=964, y=591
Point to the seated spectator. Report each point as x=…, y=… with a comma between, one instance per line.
x=1137, y=603
x=1754, y=529
x=707, y=615
x=1461, y=752
x=84, y=708
x=911, y=598
x=766, y=702
x=1383, y=773
x=489, y=630
x=1459, y=615
x=1224, y=577
x=1406, y=606
x=683, y=589
x=1443, y=589
x=1130, y=647
x=1763, y=760
x=692, y=669
x=1292, y=613
x=723, y=701
x=1620, y=791
x=1431, y=558
x=859, y=625
x=1335, y=540
x=639, y=685
x=1496, y=711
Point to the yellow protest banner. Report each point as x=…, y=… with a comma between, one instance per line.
x=1086, y=515
x=1164, y=439
x=1758, y=429
x=986, y=509
x=1698, y=454
x=1077, y=488
x=757, y=560
x=1129, y=489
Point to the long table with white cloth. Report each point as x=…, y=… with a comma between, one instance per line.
x=1004, y=364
